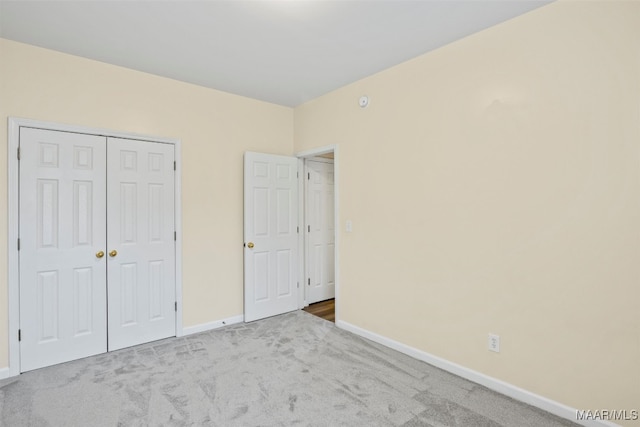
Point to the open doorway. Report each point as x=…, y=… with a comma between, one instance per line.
x=323, y=309
x=319, y=237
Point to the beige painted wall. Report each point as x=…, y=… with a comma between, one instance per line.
x=494, y=186
x=215, y=129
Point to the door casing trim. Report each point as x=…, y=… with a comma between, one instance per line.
x=13, y=221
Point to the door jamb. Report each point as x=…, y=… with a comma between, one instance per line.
x=13, y=277
x=307, y=154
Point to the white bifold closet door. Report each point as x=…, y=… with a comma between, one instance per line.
x=63, y=294
x=141, y=242
x=97, y=250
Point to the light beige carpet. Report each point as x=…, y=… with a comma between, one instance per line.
x=294, y=369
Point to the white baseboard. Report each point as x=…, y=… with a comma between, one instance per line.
x=494, y=384
x=5, y=373
x=203, y=327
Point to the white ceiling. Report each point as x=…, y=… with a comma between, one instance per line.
x=284, y=52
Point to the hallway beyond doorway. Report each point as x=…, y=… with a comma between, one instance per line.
x=324, y=309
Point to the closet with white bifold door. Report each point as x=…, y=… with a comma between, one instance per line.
x=96, y=244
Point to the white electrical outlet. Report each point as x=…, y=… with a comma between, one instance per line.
x=494, y=343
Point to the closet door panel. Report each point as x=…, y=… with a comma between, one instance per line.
x=140, y=237
x=62, y=232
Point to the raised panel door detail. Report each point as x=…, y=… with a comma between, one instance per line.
x=82, y=213
x=128, y=212
x=261, y=276
x=48, y=155
x=261, y=170
x=82, y=158
x=317, y=257
x=155, y=221
x=261, y=218
x=316, y=178
x=48, y=305
x=329, y=211
x=128, y=160
x=283, y=171
x=82, y=301
x=283, y=213
x=316, y=215
x=156, y=162
x=283, y=275
x=128, y=298
x=47, y=214
x=156, y=290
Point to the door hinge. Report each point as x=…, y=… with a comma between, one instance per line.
x=297, y=174
x=18, y=244
x=298, y=285
x=297, y=229
x=175, y=235
x=18, y=153
x=176, y=306
x=308, y=175
x=19, y=335
x=309, y=228
x=309, y=281
x=175, y=167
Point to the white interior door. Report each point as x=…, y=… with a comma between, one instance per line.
x=320, y=240
x=141, y=242
x=62, y=243
x=270, y=235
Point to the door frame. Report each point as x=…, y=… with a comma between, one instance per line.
x=13, y=221
x=302, y=156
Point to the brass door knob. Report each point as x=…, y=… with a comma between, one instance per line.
x=99, y=254
x=113, y=253
x=250, y=245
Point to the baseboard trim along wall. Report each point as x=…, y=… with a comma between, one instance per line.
x=494, y=384
x=203, y=327
x=5, y=373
